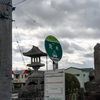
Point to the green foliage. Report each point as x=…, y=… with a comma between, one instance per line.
x=72, y=84
x=30, y=71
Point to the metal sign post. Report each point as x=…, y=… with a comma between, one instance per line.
x=55, y=65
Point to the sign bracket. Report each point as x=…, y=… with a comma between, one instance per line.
x=3, y=15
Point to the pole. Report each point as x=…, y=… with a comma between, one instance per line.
x=55, y=65
x=5, y=49
x=82, y=93
x=46, y=63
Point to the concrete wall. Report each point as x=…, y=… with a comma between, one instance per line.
x=5, y=52
x=85, y=76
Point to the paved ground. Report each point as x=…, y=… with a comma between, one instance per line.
x=15, y=95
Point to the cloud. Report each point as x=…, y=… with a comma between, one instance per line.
x=74, y=23
x=90, y=55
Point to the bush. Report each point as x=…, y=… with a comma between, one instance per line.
x=72, y=84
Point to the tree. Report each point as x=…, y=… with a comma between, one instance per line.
x=72, y=85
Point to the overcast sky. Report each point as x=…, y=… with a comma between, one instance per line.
x=75, y=23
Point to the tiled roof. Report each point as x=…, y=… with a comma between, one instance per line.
x=35, y=51
x=20, y=72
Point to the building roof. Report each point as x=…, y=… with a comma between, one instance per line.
x=90, y=70
x=26, y=71
x=35, y=51
x=20, y=72
x=76, y=68
x=12, y=72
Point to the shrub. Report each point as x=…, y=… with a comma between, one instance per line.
x=72, y=85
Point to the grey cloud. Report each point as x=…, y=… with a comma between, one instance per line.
x=41, y=13
x=48, y=16
x=66, y=20
x=77, y=47
x=42, y=46
x=66, y=47
x=85, y=15
x=16, y=51
x=90, y=55
x=20, y=49
x=73, y=5
x=71, y=48
x=86, y=64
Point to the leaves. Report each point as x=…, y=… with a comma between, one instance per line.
x=72, y=84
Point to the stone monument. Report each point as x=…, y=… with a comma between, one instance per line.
x=97, y=61
x=34, y=86
x=93, y=87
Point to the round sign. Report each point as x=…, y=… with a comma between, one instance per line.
x=53, y=48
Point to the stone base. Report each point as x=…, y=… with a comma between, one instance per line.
x=92, y=95
x=92, y=86
x=33, y=90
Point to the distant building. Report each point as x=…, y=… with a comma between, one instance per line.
x=19, y=78
x=83, y=75
x=91, y=73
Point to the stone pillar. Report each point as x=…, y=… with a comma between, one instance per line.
x=93, y=87
x=97, y=61
x=5, y=50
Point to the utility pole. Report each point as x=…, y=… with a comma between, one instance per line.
x=5, y=49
